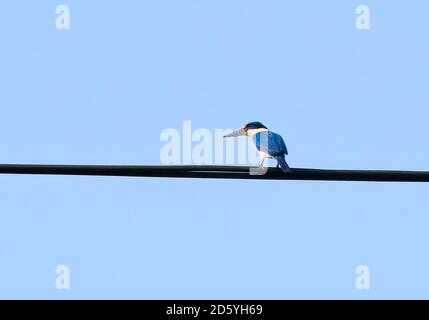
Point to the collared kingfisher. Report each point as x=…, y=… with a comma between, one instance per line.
x=267, y=143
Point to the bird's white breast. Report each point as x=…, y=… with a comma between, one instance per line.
x=252, y=132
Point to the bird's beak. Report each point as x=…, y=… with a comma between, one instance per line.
x=236, y=133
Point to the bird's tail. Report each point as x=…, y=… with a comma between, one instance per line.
x=283, y=164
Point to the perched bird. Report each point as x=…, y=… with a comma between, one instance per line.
x=267, y=143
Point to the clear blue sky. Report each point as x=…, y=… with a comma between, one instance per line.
x=102, y=92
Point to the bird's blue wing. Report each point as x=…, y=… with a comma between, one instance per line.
x=276, y=145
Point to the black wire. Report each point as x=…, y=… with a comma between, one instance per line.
x=216, y=172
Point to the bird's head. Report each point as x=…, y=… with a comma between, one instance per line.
x=248, y=130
